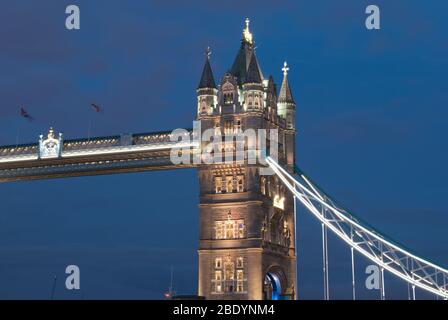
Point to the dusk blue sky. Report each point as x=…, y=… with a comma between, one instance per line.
x=372, y=112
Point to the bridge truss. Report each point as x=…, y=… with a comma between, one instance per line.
x=387, y=254
x=151, y=151
x=95, y=156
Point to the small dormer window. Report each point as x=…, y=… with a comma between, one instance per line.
x=250, y=101
x=238, y=126
x=228, y=98
x=228, y=93
x=217, y=129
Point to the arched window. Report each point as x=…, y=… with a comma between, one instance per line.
x=229, y=270
x=228, y=90
x=203, y=106
x=263, y=185
x=229, y=229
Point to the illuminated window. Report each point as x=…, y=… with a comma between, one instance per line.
x=229, y=272
x=240, y=229
x=218, y=263
x=229, y=275
x=228, y=90
x=239, y=262
x=219, y=230
x=228, y=127
x=228, y=279
x=228, y=98
x=229, y=229
x=218, y=281
x=263, y=185
x=239, y=281
x=269, y=188
x=240, y=183
x=218, y=184
x=238, y=126
x=229, y=184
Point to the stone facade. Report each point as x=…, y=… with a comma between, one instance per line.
x=246, y=248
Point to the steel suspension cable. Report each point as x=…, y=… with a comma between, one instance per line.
x=386, y=253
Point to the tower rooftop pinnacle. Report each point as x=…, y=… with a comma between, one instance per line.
x=253, y=72
x=207, y=79
x=285, y=95
x=247, y=35
x=242, y=61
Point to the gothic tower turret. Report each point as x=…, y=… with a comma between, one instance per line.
x=207, y=93
x=271, y=100
x=244, y=56
x=253, y=87
x=286, y=104
x=287, y=111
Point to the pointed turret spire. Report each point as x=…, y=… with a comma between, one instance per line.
x=272, y=87
x=247, y=35
x=253, y=72
x=244, y=56
x=207, y=79
x=285, y=95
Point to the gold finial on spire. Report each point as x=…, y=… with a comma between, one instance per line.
x=247, y=35
x=285, y=69
x=208, y=52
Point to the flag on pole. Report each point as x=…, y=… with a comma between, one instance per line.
x=25, y=114
x=96, y=107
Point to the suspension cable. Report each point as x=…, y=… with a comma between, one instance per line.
x=383, y=288
x=366, y=240
x=295, y=245
x=353, y=267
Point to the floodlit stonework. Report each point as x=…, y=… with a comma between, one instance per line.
x=247, y=233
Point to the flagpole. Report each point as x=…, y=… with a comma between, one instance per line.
x=96, y=109
x=17, y=130
x=89, y=128
x=17, y=134
x=26, y=115
x=54, y=287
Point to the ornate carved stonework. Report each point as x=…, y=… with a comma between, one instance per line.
x=50, y=147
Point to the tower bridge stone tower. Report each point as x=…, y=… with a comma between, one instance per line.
x=247, y=227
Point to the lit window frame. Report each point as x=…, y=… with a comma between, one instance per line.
x=218, y=184
x=218, y=263
x=230, y=229
x=218, y=281
x=240, y=262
